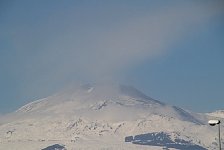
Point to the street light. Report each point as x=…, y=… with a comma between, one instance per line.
x=213, y=123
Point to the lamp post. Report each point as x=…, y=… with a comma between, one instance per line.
x=213, y=123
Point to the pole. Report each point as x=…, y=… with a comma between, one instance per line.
x=219, y=138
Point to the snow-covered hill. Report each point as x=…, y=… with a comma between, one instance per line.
x=217, y=114
x=104, y=117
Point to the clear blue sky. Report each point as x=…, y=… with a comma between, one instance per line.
x=171, y=50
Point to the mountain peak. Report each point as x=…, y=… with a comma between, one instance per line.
x=108, y=91
x=88, y=95
x=105, y=100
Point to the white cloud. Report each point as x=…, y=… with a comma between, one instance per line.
x=108, y=51
x=46, y=45
x=71, y=45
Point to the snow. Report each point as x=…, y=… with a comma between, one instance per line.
x=100, y=117
x=217, y=114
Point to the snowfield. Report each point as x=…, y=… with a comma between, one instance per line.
x=105, y=117
x=217, y=114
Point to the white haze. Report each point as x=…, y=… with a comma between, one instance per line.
x=90, y=44
x=94, y=51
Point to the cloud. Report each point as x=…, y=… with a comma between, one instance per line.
x=46, y=45
x=88, y=44
x=106, y=51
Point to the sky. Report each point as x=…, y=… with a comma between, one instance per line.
x=171, y=50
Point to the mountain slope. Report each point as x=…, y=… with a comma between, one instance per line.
x=94, y=114
x=217, y=114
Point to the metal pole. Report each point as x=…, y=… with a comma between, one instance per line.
x=219, y=138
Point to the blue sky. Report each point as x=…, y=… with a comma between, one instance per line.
x=170, y=50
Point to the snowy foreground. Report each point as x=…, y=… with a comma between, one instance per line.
x=106, y=117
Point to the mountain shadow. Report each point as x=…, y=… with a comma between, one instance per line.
x=162, y=139
x=55, y=147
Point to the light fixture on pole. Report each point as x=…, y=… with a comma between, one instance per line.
x=213, y=123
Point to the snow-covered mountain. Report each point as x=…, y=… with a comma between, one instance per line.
x=104, y=117
x=217, y=114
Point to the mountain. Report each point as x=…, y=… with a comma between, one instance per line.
x=217, y=114
x=104, y=117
